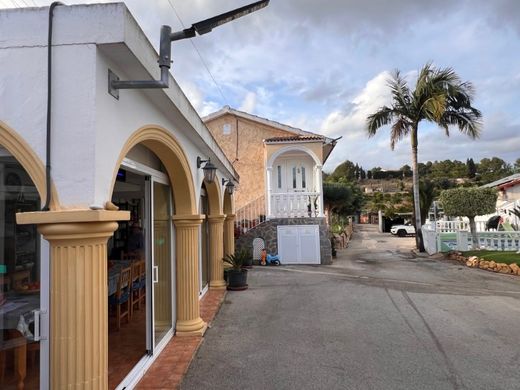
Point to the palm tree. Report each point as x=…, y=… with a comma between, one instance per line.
x=439, y=97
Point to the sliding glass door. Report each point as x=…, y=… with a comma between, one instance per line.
x=162, y=265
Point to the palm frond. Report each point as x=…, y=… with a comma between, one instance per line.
x=400, y=129
x=467, y=121
x=382, y=117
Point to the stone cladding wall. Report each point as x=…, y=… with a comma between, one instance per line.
x=269, y=232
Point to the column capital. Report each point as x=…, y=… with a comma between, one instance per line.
x=230, y=217
x=74, y=225
x=216, y=218
x=71, y=216
x=188, y=220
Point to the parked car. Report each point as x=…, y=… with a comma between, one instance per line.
x=403, y=230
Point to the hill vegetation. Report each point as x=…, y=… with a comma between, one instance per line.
x=389, y=190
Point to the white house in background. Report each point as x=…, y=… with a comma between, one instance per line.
x=508, y=187
x=280, y=198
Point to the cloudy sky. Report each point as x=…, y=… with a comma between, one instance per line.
x=323, y=66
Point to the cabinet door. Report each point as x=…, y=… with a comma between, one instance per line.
x=309, y=238
x=299, y=244
x=288, y=244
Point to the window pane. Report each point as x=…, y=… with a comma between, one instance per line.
x=279, y=168
x=304, y=185
x=294, y=177
x=20, y=272
x=226, y=129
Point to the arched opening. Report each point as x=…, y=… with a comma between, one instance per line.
x=294, y=185
x=170, y=153
x=204, y=209
x=24, y=267
x=230, y=230
x=25, y=156
x=153, y=181
x=209, y=206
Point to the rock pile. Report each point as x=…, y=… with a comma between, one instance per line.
x=489, y=265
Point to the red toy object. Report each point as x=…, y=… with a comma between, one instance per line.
x=263, y=257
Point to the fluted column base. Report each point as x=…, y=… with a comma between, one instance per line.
x=187, y=235
x=78, y=294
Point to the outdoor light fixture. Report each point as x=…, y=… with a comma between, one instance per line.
x=210, y=170
x=165, y=49
x=230, y=187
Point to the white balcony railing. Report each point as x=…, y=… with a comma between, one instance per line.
x=295, y=205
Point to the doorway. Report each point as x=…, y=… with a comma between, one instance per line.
x=141, y=307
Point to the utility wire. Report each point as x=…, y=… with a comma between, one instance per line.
x=199, y=54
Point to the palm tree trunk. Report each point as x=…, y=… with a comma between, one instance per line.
x=416, y=198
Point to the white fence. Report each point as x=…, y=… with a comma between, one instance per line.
x=461, y=240
x=251, y=215
x=295, y=204
x=443, y=236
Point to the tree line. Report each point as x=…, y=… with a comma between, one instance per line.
x=485, y=171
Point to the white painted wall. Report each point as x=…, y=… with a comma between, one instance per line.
x=512, y=193
x=90, y=127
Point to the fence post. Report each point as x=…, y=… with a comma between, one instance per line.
x=462, y=240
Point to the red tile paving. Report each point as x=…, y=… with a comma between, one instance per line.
x=173, y=362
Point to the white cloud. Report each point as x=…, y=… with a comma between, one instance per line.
x=323, y=66
x=249, y=103
x=350, y=122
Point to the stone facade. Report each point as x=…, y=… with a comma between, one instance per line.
x=268, y=231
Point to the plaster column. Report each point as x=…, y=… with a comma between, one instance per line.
x=187, y=240
x=268, y=185
x=216, y=251
x=78, y=293
x=319, y=178
x=229, y=234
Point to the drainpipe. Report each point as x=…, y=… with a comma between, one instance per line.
x=49, y=109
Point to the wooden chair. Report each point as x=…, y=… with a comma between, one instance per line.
x=135, y=286
x=121, y=298
x=142, y=282
x=130, y=256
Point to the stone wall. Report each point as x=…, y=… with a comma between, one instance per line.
x=268, y=231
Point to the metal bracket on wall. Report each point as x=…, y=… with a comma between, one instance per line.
x=167, y=37
x=111, y=90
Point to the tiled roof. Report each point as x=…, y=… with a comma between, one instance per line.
x=503, y=181
x=265, y=121
x=296, y=138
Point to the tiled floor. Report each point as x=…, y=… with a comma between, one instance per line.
x=125, y=346
x=169, y=368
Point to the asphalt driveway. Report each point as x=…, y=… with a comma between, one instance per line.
x=378, y=318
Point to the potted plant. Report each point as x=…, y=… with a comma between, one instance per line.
x=236, y=275
x=247, y=259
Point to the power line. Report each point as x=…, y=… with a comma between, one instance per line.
x=199, y=54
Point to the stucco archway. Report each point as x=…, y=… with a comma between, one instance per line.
x=228, y=205
x=28, y=159
x=214, y=193
x=292, y=148
x=171, y=154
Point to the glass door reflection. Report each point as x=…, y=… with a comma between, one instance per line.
x=161, y=261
